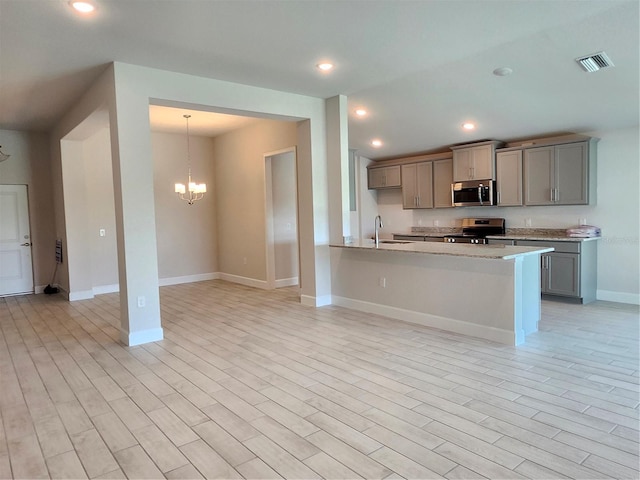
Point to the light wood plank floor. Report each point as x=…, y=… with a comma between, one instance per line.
x=249, y=383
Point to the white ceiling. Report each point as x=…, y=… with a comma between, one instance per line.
x=420, y=67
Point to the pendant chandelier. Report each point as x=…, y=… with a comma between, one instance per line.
x=193, y=191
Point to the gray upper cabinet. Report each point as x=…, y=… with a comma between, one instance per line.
x=557, y=174
x=509, y=178
x=384, y=177
x=442, y=180
x=474, y=162
x=417, y=185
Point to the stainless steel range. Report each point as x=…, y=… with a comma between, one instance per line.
x=475, y=230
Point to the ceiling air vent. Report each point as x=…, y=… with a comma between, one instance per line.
x=594, y=62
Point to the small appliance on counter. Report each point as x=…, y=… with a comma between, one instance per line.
x=584, y=231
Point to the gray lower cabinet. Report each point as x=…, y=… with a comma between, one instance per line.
x=569, y=271
x=417, y=238
x=500, y=241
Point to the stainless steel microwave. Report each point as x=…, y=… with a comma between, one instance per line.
x=473, y=193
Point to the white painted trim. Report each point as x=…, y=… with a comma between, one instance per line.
x=287, y=282
x=249, y=282
x=270, y=253
x=433, y=321
x=102, y=289
x=200, y=277
x=310, y=301
x=81, y=295
x=619, y=297
x=132, y=339
x=293, y=149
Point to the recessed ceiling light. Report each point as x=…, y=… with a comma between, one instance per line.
x=361, y=112
x=83, y=7
x=468, y=126
x=325, y=66
x=376, y=142
x=502, y=71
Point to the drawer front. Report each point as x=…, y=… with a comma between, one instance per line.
x=560, y=247
x=496, y=241
x=411, y=238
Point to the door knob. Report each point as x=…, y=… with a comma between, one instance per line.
x=27, y=244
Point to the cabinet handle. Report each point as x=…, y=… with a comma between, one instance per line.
x=544, y=262
x=498, y=196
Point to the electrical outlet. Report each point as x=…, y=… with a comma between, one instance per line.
x=436, y=223
x=382, y=281
x=142, y=302
x=527, y=222
x=582, y=221
x=244, y=260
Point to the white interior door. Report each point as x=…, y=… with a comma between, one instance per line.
x=16, y=273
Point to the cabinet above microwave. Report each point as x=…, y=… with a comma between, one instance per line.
x=475, y=161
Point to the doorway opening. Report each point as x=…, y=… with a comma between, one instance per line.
x=281, y=215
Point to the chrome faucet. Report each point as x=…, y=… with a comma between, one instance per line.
x=377, y=225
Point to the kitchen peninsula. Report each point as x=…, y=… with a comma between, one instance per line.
x=486, y=291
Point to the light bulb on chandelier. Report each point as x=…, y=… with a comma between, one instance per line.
x=192, y=191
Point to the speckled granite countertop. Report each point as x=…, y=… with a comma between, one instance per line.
x=549, y=234
x=496, y=252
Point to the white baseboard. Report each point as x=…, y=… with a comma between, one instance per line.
x=321, y=301
x=201, y=277
x=132, y=339
x=101, y=289
x=433, y=321
x=619, y=297
x=287, y=282
x=249, y=282
x=81, y=295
